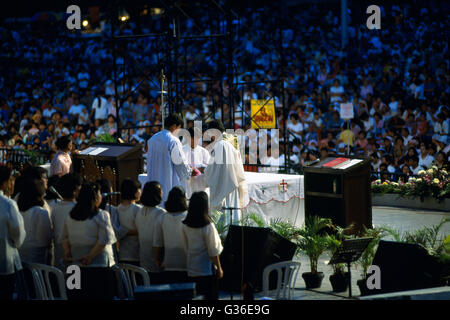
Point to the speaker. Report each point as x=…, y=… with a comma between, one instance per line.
x=406, y=266
x=247, y=251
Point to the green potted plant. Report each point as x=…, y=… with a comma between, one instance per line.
x=312, y=241
x=339, y=278
x=365, y=261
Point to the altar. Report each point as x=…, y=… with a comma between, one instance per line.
x=272, y=196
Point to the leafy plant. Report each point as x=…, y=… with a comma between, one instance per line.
x=284, y=228
x=428, y=237
x=219, y=220
x=105, y=138
x=253, y=220
x=335, y=242
x=312, y=241
x=367, y=256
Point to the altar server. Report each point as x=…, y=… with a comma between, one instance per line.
x=166, y=162
x=198, y=158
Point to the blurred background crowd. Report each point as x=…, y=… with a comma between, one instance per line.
x=396, y=78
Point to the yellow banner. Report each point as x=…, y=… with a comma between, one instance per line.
x=263, y=114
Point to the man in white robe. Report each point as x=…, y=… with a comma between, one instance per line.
x=225, y=175
x=166, y=162
x=198, y=158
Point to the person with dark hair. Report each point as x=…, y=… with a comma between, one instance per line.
x=198, y=158
x=145, y=223
x=50, y=196
x=166, y=162
x=12, y=235
x=203, y=246
x=168, y=242
x=87, y=241
x=68, y=187
x=38, y=225
x=62, y=162
x=130, y=193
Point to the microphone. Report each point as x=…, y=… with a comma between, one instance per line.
x=108, y=194
x=55, y=192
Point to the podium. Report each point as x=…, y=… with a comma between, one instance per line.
x=112, y=161
x=339, y=188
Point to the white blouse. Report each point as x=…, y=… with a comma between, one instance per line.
x=129, y=245
x=145, y=223
x=202, y=244
x=84, y=235
x=12, y=235
x=168, y=234
x=60, y=211
x=39, y=234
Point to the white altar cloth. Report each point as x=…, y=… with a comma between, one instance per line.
x=272, y=196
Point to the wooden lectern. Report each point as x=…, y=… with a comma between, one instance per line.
x=109, y=160
x=339, y=188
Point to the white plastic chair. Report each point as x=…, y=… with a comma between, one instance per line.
x=42, y=284
x=130, y=272
x=287, y=272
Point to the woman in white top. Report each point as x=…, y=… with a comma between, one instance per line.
x=203, y=247
x=130, y=193
x=12, y=235
x=87, y=241
x=38, y=224
x=68, y=187
x=145, y=223
x=168, y=242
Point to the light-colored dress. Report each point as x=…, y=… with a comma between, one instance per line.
x=202, y=244
x=39, y=234
x=145, y=223
x=129, y=245
x=84, y=235
x=12, y=235
x=60, y=212
x=168, y=234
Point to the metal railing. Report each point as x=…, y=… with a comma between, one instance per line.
x=19, y=157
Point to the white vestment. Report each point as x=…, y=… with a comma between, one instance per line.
x=226, y=179
x=166, y=162
x=197, y=158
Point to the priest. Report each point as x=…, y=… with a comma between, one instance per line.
x=225, y=173
x=166, y=162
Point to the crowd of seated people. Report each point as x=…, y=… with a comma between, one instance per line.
x=396, y=78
